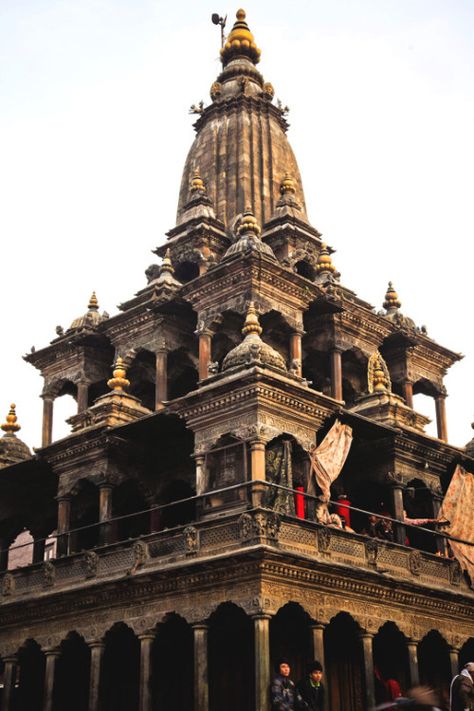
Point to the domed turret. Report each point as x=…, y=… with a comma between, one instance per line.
x=252, y=350
x=91, y=319
x=241, y=146
x=12, y=449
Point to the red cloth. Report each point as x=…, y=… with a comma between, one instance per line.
x=393, y=689
x=341, y=509
x=299, y=502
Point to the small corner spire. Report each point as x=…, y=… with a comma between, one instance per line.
x=93, y=304
x=119, y=382
x=287, y=185
x=392, y=303
x=252, y=324
x=378, y=375
x=10, y=426
x=197, y=184
x=240, y=42
x=249, y=223
x=324, y=263
x=166, y=265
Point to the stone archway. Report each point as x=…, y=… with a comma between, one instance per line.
x=32, y=663
x=290, y=637
x=172, y=665
x=390, y=662
x=344, y=664
x=434, y=664
x=71, y=682
x=120, y=670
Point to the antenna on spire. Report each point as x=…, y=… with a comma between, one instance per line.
x=217, y=20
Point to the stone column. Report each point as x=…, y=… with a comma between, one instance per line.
x=39, y=544
x=454, y=660
x=262, y=661
x=82, y=396
x=366, y=640
x=146, y=643
x=412, y=647
x=47, y=431
x=257, y=470
x=201, y=681
x=397, y=503
x=51, y=657
x=161, y=383
x=408, y=393
x=296, y=351
x=105, y=512
x=64, y=524
x=200, y=474
x=336, y=374
x=441, y=424
x=97, y=652
x=205, y=342
x=9, y=678
x=318, y=643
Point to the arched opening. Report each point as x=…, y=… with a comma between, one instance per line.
x=84, y=516
x=305, y=269
x=31, y=662
x=466, y=653
x=374, y=497
x=418, y=502
x=287, y=465
x=142, y=375
x=316, y=369
x=231, y=660
x=172, y=678
x=434, y=665
x=390, y=663
x=354, y=371
x=119, y=687
x=424, y=393
x=21, y=551
x=181, y=513
x=71, y=679
x=226, y=464
x=290, y=637
x=182, y=374
x=127, y=499
x=65, y=406
x=344, y=663
x=186, y=271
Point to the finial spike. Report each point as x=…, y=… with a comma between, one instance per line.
x=240, y=42
x=252, y=324
x=249, y=223
x=166, y=265
x=10, y=426
x=119, y=382
x=93, y=302
x=392, y=302
x=378, y=375
x=324, y=263
x=287, y=185
x=197, y=183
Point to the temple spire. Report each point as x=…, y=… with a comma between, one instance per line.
x=252, y=324
x=10, y=426
x=197, y=184
x=240, y=42
x=93, y=304
x=392, y=303
x=119, y=382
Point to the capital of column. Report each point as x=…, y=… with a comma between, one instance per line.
x=363, y=634
x=261, y=616
x=52, y=652
x=10, y=659
x=318, y=625
x=96, y=644
x=200, y=626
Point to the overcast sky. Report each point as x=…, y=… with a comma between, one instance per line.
x=94, y=131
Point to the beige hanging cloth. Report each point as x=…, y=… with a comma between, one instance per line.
x=458, y=508
x=328, y=459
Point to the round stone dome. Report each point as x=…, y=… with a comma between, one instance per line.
x=252, y=350
x=12, y=449
x=90, y=319
x=249, y=240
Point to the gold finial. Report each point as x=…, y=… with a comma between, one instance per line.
x=252, y=324
x=93, y=302
x=324, y=263
x=287, y=185
x=119, y=381
x=249, y=223
x=378, y=376
x=240, y=42
x=197, y=183
x=10, y=426
x=166, y=265
x=392, y=302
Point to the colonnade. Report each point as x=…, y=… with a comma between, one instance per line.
x=207, y=697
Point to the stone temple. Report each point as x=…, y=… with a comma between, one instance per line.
x=167, y=551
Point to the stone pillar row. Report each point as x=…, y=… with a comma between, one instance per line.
x=262, y=669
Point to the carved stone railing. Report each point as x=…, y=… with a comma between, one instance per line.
x=206, y=539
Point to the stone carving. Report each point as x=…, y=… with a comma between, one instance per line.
x=273, y=525
x=216, y=90
x=295, y=366
x=213, y=367
x=371, y=551
x=324, y=539
x=455, y=573
x=191, y=540
x=91, y=561
x=414, y=562
x=49, y=574
x=245, y=527
x=140, y=555
x=261, y=524
x=8, y=584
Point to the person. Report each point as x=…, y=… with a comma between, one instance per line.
x=283, y=691
x=462, y=689
x=323, y=516
x=311, y=689
x=420, y=698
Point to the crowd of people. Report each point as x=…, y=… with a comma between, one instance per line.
x=309, y=694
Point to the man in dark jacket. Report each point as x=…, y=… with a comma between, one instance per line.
x=462, y=689
x=283, y=690
x=311, y=689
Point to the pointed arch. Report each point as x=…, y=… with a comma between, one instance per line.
x=172, y=679
x=290, y=636
x=344, y=663
x=119, y=688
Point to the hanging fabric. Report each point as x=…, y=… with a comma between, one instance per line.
x=457, y=508
x=328, y=459
x=279, y=471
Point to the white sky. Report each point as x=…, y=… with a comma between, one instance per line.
x=94, y=131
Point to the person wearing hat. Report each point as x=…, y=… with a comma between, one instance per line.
x=283, y=691
x=462, y=689
x=311, y=689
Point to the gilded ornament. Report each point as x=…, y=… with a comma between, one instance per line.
x=392, y=302
x=378, y=376
x=240, y=42
x=10, y=426
x=324, y=262
x=216, y=90
x=119, y=382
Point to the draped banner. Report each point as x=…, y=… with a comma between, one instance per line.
x=279, y=471
x=328, y=459
x=458, y=508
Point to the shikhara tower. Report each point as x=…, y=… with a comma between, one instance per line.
x=228, y=367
